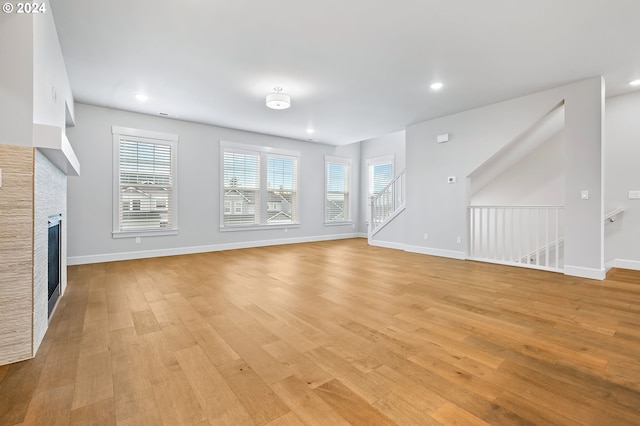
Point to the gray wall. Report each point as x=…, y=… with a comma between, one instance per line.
x=439, y=209
x=16, y=78
x=90, y=196
x=537, y=179
x=622, y=174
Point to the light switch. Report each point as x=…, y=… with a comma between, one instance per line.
x=634, y=195
x=584, y=195
x=451, y=179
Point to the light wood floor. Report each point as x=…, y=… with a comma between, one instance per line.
x=331, y=333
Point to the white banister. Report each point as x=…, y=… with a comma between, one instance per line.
x=530, y=236
x=387, y=203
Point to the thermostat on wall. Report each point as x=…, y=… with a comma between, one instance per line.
x=442, y=138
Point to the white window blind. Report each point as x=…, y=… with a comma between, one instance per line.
x=144, y=183
x=282, y=188
x=241, y=188
x=260, y=186
x=379, y=176
x=337, y=190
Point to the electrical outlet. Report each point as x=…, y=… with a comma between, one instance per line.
x=138, y=240
x=459, y=240
x=426, y=236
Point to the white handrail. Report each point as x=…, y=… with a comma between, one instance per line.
x=611, y=216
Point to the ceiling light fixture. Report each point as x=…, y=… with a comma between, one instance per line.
x=437, y=86
x=141, y=97
x=634, y=83
x=310, y=131
x=278, y=100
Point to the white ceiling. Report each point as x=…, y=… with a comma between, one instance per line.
x=355, y=69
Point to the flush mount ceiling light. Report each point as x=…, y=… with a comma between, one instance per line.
x=634, y=83
x=437, y=86
x=278, y=100
x=141, y=97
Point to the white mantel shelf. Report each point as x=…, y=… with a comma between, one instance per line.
x=53, y=143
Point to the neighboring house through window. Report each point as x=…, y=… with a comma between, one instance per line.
x=144, y=189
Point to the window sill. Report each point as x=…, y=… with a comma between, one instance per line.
x=144, y=233
x=232, y=228
x=336, y=223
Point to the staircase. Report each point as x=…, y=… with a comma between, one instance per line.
x=387, y=204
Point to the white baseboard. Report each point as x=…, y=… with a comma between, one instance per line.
x=144, y=254
x=386, y=244
x=591, y=273
x=460, y=255
x=624, y=264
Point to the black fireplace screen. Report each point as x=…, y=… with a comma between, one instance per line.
x=54, y=260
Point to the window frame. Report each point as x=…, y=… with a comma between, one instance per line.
x=349, y=190
x=145, y=136
x=263, y=152
x=372, y=162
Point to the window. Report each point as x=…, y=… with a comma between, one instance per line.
x=337, y=190
x=144, y=189
x=380, y=173
x=262, y=184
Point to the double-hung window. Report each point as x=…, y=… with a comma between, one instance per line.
x=337, y=207
x=144, y=188
x=259, y=186
x=379, y=174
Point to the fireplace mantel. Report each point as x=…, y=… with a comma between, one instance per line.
x=53, y=143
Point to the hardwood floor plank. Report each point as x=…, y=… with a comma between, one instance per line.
x=50, y=407
x=306, y=404
x=333, y=332
x=94, y=379
x=349, y=405
x=99, y=414
x=258, y=398
x=217, y=400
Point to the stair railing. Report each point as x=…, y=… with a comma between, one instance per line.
x=387, y=203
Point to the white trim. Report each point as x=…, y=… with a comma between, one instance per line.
x=245, y=147
x=591, y=273
x=113, y=257
x=452, y=254
x=387, y=244
x=143, y=233
x=624, y=264
x=149, y=134
x=231, y=228
x=516, y=264
x=460, y=255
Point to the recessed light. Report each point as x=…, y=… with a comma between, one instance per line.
x=437, y=86
x=310, y=131
x=634, y=83
x=141, y=97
